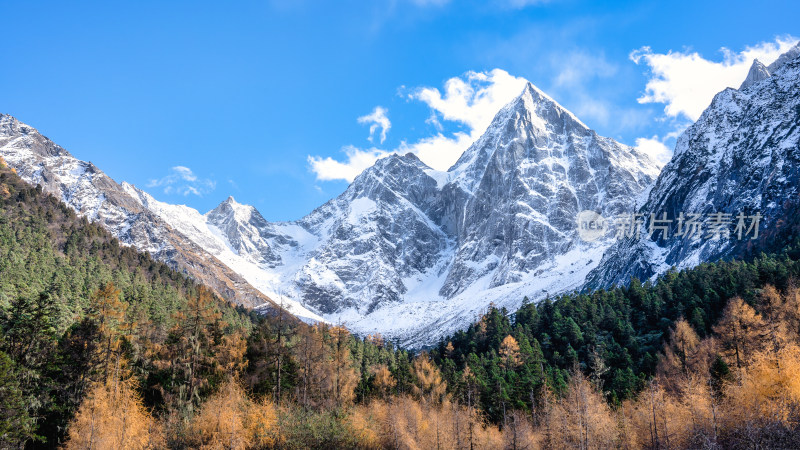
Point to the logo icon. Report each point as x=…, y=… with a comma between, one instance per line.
x=591, y=225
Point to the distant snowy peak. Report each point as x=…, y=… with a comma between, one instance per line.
x=247, y=232
x=230, y=208
x=758, y=71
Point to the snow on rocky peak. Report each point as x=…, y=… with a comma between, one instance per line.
x=94, y=195
x=758, y=71
x=522, y=185
x=414, y=253
x=740, y=157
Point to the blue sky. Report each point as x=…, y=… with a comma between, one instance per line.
x=195, y=101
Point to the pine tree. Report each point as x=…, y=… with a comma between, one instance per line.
x=16, y=425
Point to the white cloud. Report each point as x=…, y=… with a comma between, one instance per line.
x=377, y=119
x=183, y=181
x=686, y=82
x=471, y=100
x=356, y=161
x=655, y=149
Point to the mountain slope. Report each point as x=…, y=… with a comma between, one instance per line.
x=58, y=312
x=94, y=195
x=741, y=157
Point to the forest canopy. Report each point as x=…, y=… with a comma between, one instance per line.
x=103, y=347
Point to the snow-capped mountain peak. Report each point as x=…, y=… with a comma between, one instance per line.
x=415, y=253
x=758, y=71
x=231, y=208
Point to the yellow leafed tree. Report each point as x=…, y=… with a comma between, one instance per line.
x=384, y=381
x=741, y=331
x=230, y=420
x=112, y=416
x=428, y=379
x=509, y=353
x=582, y=419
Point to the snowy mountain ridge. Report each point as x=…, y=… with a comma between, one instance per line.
x=742, y=156
x=94, y=195
x=413, y=253
x=405, y=251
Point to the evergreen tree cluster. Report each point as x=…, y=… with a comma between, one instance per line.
x=73, y=303
x=613, y=336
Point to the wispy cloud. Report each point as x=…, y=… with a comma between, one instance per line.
x=471, y=100
x=356, y=160
x=377, y=119
x=655, y=148
x=181, y=180
x=575, y=70
x=685, y=81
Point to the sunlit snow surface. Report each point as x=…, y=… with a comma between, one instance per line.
x=407, y=322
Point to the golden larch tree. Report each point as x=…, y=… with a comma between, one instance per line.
x=112, y=416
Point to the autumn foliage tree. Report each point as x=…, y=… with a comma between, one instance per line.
x=229, y=419
x=509, y=353
x=113, y=416
x=428, y=384
x=108, y=311
x=741, y=331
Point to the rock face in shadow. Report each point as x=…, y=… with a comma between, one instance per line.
x=741, y=157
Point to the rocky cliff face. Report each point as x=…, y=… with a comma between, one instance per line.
x=740, y=159
x=524, y=183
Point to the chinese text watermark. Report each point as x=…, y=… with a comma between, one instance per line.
x=593, y=226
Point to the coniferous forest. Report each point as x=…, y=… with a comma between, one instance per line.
x=103, y=347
